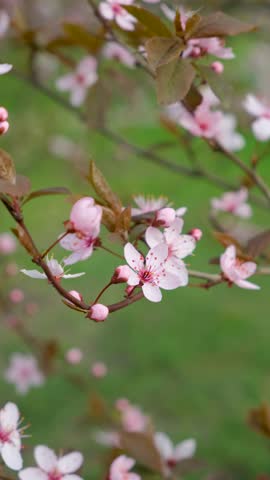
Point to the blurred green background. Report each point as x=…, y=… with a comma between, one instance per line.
x=198, y=361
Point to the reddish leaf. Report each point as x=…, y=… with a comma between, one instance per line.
x=48, y=191
x=142, y=448
x=7, y=167
x=82, y=37
x=258, y=244
x=219, y=24
x=259, y=419
x=152, y=22
x=174, y=81
x=162, y=50
x=103, y=189
x=19, y=189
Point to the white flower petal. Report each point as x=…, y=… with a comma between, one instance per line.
x=33, y=274
x=156, y=257
x=73, y=275
x=164, y=445
x=32, y=473
x=185, y=449
x=170, y=281
x=261, y=129
x=5, y=68
x=152, y=292
x=153, y=236
x=70, y=463
x=45, y=458
x=9, y=416
x=133, y=257
x=11, y=456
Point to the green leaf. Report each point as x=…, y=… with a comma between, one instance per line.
x=152, y=22
x=219, y=24
x=162, y=50
x=174, y=81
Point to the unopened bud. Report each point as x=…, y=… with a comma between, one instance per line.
x=196, y=233
x=74, y=356
x=217, y=67
x=121, y=274
x=98, y=312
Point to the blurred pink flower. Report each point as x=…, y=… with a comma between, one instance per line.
x=10, y=436
x=51, y=467
x=23, y=372
x=217, y=67
x=56, y=270
x=233, y=202
x=99, y=369
x=132, y=417
x=7, y=243
x=119, y=469
x=113, y=10
x=148, y=204
x=114, y=51
x=4, y=23
x=260, y=109
x=4, y=125
x=174, y=454
x=236, y=271
x=74, y=356
x=150, y=273
x=198, y=47
x=196, y=233
x=78, y=82
x=16, y=295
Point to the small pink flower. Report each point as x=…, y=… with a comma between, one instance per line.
x=217, y=67
x=236, y=271
x=121, y=274
x=148, y=204
x=51, y=467
x=198, y=47
x=174, y=454
x=114, y=51
x=4, y=125
x=196, y=233
x=24, y=373
x=99, y=369
x=7, y=243
x=85, y=219
x=150, y=273
x=165, y=217
x=74, y=356
x=10, y=436
x=76, y=294
x=113, y=10
x=56, y=270
x=98, y=312
x=260, y=109
x=16, y=295
x=120, y=469
x=78, y=82
x=132, y=418
x=233, y=202
x=179, y=246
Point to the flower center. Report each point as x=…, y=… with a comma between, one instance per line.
x=146, y=276
x=80, y=78
x=55, y=476
x=117, y=8
x=4, y=436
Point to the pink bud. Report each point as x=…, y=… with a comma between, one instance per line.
x=217, y=67
x=76, y=294
x=74, y=356
x=4, y=126
x=165, y=217
x=129, y=290
x=85, y=216
x=11, y=269
x=196, y=233
x=99, y=369
x=121, y=274
x=7, y=242
x=16, y=295
x=3, y=114
x=98, y=312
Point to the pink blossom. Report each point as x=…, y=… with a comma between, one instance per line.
x=165, y=217
x=121, y=274
x=236, y=271
x=16, y=295
x=196, y=233
x=113, y=10
x=150, y=273
x=78, y=82
x=198, y=47
x=148, y=204
x=10, y=436
x=179, y=246
x=132, y=418
x=115, y=51
x=260, y=109
x=74, y=356
x=217, y=67
x=76, y=294
x=85, y=219
x=56, y=270
x=174, y=454
x=233, y=202
x=4, y=125
x=51, y=467
x=120, y=469
x=98, y=312
x=7, y=244
x=99, y=369
x=23, y=372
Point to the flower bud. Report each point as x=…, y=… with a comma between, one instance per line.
x=4, y=126
x=3, y=114
x=165, y=217
x=16, y=295
x=129, y=290
x=196, y=233
x=98, y=312
x=74, y=356
x=99, y=369
x=217, y=67
x=76, y=294
x=121, y=274
x=7, y=242
x=85, y=216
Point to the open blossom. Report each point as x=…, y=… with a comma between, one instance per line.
x=132, y=418
x=150, y=273
x=120, y=469
x=7, y=244
x=79, y=81
x=173, y=454
x=233, y=202
x=85, y=219
x=113, y=10
x=260, y=109
x=148, y=204
x=114, y=51
x=10, y=436
x=179, y=246
x=198, y=47
x=51, y=467
x=56, y=270
x=236, y=271
x=23, y=372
